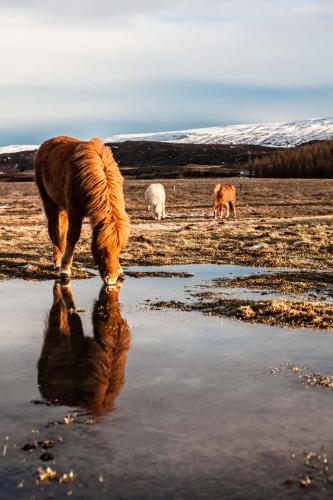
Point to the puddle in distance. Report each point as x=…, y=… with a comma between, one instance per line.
x=198, y=415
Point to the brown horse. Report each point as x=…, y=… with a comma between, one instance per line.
x=224, y=195
x=79, y=370
x=75, y=179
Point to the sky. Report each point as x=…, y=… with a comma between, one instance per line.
x=86, y=68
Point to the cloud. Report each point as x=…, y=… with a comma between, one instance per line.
x=85, y=11
x=282, y=53
x=92, y=60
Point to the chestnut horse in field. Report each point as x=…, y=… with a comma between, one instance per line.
x=77, y=179
x=224, y=195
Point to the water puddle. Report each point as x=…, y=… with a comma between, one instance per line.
x=146, y=403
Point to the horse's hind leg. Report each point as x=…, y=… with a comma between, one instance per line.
x=227, y=215
x=73, y=234
x=56, y=222
x=57, y=228
x=62, y=234
x=233, y=209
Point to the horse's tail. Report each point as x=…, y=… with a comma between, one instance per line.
x=101, y=182
x=216, y=190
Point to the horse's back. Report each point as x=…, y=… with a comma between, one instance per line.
x=155, y=193
x=54, y=164
x=225, y=193
x=57, y=151
x=230, y=192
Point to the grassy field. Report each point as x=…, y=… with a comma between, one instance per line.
x=280, y=224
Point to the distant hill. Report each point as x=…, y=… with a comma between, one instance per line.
x=167, y=160
x=279, y=134
x=214, y=151
x=151, y=160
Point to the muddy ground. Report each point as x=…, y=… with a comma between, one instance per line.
x=281, y=223
x=287, y=298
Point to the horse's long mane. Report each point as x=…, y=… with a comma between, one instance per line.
x=102, y=184
x=109, y=371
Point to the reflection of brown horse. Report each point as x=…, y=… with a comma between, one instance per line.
x=75, y=370
x=78, y=178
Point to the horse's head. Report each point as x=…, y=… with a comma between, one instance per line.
x=158, y=211
x=106, y=256
x=108, y=265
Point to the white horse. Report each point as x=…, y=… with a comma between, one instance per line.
x=155, y=199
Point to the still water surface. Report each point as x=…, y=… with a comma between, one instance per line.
x=170, y=404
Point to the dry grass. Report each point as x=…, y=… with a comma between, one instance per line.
x=281, y=223
x=314, y=283
x=287, y=313
x=273, y=312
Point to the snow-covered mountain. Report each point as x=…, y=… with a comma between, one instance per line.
x=279, y=134
x=17, y=148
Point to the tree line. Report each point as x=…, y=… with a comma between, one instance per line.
x=314, y=159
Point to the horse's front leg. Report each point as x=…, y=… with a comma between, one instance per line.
x=73, y=317
x=56, y=297
x=73, y=235
x=58, y=320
